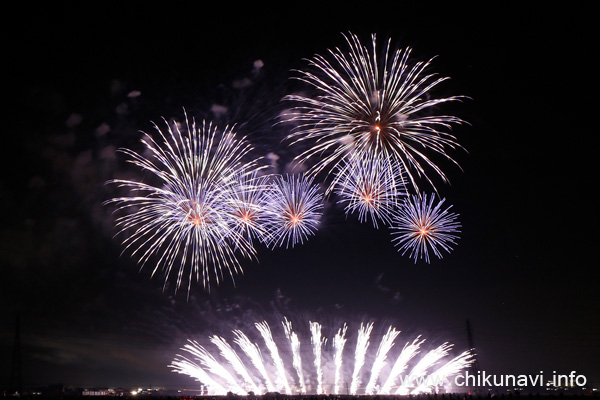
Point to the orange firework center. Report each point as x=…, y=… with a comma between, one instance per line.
x=196, y=214
x=196, y=220
x=246, y=215
x=376, y=136
x=369, y=196
x=295, y=218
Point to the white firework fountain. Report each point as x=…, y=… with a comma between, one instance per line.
x=285, y=368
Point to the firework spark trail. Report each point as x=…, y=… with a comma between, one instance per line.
x=362, y=345
x=265, y=331
x=318, y=343
x=339, y=341
x=421, y=224
x=296, y=359
x=420, y=370
x=253, y=352
x=213, y=366
x=364, y=104
x=384, y=347
x=182, y=365
x=247, y=201
x=184, y=219
x=447, y=370
x=234, y=360
x=295, y=209
x=370, y=186
x=416, y=381
x=408, y=352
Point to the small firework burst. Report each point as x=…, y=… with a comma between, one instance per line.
x=370, y=186
x=421, y=225
x=183, y=221
x=383, y=107
x=248, y=200
x=295, y=209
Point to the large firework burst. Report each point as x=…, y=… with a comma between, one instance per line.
x=295, y=208
x=186, y=220
x=383, y=107
x=421, y=225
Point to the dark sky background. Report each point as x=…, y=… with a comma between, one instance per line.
x=84, y=80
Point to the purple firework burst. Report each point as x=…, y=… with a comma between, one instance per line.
x=295, y=208
x=422, y=225
x=367, y=104
x=184, y=219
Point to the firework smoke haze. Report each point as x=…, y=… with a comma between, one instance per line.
x=364, y=104
x=186, y=220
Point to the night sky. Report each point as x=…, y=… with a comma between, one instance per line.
x=84, y=80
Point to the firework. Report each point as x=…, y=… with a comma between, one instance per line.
x=362, y=344
x=429, y=371
x=383, y=107
x=184, y=219
x=295, y=209
x=248, y=204
x=318, y=342
x=370, y=187
x=380, y=358
x=421, y=225
x=408, y=352
x=253, y=352
x=339, y=341
x=297, y=359
x=265, y=331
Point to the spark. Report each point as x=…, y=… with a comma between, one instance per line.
x=206, y=369
x=297, y=359
x=383, y=107
x=362, y=344
x=209, y=362
x=182, y=219
x=451, y=368
x=231, y=356
x=372, y=187
x=248, y=202
x=420, y=369
x=318, y=343
x=421, y=225
x=253, y=352
x=339, y=341
x=384, y=347
x=295, y=209
x=265, y=331
x=408, y=352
